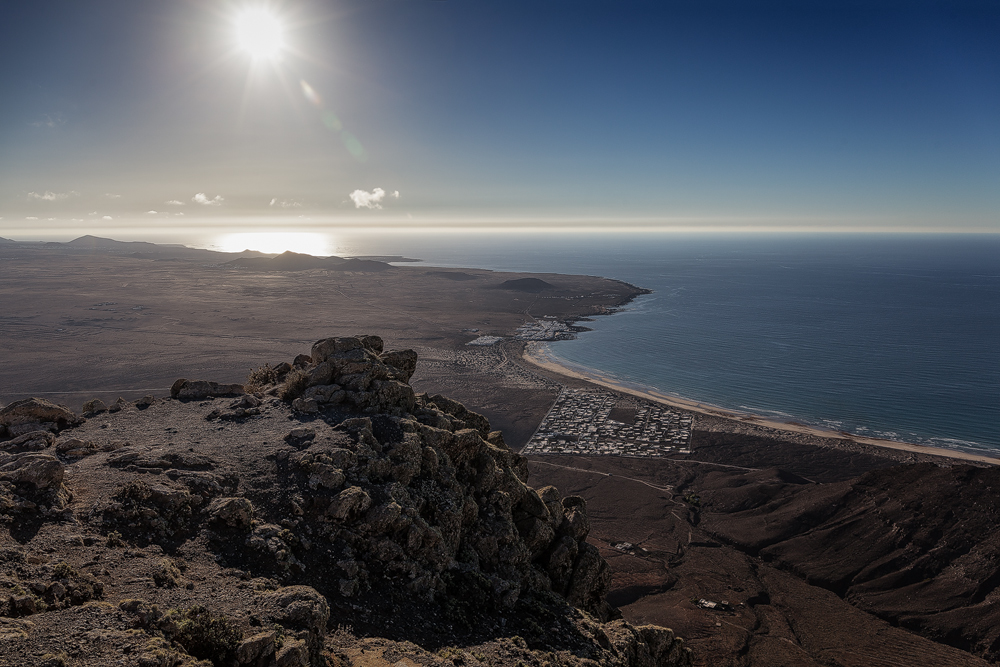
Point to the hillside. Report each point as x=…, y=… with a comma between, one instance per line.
x=323, y=514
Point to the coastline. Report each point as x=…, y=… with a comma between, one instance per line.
x=534, y=354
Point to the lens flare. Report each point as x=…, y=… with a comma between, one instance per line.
x=311, y=93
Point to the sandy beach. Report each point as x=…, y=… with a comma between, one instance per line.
x=538, y=355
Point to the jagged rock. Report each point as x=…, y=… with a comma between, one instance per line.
x=350, y=501
x=647, y=645
x=325, y=393
x=118, y=405
x=469, y=418
x=553, y=502
x=403, y=362
x=94, y=406
x=323, y=349
x=234, y=512
x=303, y=612
x=258, y=650
x=590, y=581
x=33, y=441
x=575, y=524
x=145, y=401
x=306, y=406
x=372, y=343
x=194, y=390
x=246, y=406
x=75, y=448
x=22, y=416
x=41, y=471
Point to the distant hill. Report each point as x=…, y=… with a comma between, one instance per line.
x=294, y=261
x=99, y=243
x=3, y=240
x=529, y=285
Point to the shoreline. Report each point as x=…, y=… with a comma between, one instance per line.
x=534, y=354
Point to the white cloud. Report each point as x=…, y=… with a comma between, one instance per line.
x=203, y=199
x=50, y=120
x=31, y=217
x=151, y=212
x=285, y=203
x=111, y=195
x=107, y=217
x=371, y=199
x=48, y=195
x=179, y=213
x=175, y=202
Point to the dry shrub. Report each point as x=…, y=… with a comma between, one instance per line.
x=260, y=378
x=296, y=382
x=203, y=634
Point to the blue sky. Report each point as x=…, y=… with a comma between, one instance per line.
x=811, y=115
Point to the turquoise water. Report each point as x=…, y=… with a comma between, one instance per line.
x=896, y=337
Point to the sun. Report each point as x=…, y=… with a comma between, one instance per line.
x=260, y=33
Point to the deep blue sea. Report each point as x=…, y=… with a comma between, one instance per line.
x=889, y=336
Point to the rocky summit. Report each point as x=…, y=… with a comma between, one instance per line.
x=323, y=513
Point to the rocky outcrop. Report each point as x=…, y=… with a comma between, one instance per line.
x=334, y=491
x=34, y=414
x=196, y=390
x=31, y=485
x=424, y=488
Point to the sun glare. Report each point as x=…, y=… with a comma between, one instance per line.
x=260, y=33
x=277, y=242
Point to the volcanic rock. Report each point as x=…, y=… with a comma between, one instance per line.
x=31, y=413
x=403, y=517
x=196, y=390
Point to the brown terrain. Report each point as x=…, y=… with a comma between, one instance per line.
x=761, y=547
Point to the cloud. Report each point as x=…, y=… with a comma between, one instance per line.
x=285, y=203
x=371, y=199
x=48, y=195
x=50, y=120
x=111, y=195
x=175, y=202
x=181, y=213
x=31, y=217
x=150, y=212
x=202, y=199
x=107, y=217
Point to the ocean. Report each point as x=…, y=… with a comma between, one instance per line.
x=886, y=336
